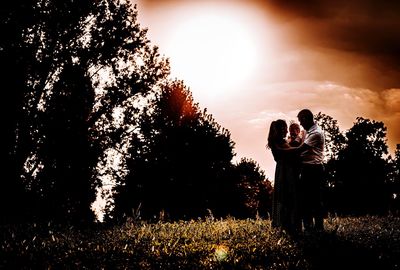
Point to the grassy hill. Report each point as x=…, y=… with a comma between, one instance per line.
x=365, y=242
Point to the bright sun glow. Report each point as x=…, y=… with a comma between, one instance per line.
x=213, y=51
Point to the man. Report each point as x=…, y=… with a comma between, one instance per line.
x=311, y=173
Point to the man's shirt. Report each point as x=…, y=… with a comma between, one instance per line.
x=316, y=140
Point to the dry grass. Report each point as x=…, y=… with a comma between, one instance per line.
x=203, y=244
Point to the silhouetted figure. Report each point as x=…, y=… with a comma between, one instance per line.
x=285, y=197
x=311, y=172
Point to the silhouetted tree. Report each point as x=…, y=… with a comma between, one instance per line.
x=394, y=181
x=335, y=141
x=179, y=159
x=334, y=138
x=248, y=192
x=64, y=184
x=80, y=66
x=15, y=18
x=360, y=181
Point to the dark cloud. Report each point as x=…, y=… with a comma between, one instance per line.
x=329, y=9
x=368, y=28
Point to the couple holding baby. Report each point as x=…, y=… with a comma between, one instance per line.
x=298, y=175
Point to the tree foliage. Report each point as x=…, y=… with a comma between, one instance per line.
x=393, y=181
x=360, y=181
x=250, y=192
x=71, y=65
x=360, y=177
x=334, y=139
x=178, y=158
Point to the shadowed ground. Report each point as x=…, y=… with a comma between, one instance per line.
x=348, y=243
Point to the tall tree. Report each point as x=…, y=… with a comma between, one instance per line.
x=178, y=161
x=334, y=138
x=15, y=18
x=361, y=174
x=335, y=142
x=394, y=181
x=79, y=63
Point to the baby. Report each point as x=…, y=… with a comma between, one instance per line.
x=295, y=135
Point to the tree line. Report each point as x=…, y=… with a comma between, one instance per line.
x=87, y=99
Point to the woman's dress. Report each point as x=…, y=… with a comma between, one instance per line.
x=285, y=213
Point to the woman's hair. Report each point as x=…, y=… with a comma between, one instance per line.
x=276, y=134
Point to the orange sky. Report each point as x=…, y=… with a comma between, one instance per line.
x=249, y=62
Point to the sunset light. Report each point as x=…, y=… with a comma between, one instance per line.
x=213, y=51
x=216, y=49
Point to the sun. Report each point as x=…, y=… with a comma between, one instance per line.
x=214, y=51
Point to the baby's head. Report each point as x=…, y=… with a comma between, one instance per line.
x=294, y=129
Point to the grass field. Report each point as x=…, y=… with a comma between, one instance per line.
x=348, y=243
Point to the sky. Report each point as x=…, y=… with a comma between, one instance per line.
x=251, y=62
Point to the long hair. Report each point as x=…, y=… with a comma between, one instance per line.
x=275, y=135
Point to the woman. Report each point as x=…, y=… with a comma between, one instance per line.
x=285, y=198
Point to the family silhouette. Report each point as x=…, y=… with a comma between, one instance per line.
x=297, y=202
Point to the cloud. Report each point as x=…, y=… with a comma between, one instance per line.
x=391, y=115
x=391, y=98
x=343, y=103
x=361, y=33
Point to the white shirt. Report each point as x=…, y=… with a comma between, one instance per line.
x=316, y=140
